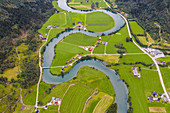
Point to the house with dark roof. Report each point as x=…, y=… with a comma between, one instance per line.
x=135, y=72
x=154, y=93
x=150, y=98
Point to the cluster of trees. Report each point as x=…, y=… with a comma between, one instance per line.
x=130, y=110
x=128, y=39
x=20, y=14
x=3, y=80
x=112, y=108
x=116, y=64
x=95, y=5
x=30, y=73
x=121, y=49
x=147, y=13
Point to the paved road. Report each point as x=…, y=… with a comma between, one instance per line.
x=41, y=71
x=156, y=64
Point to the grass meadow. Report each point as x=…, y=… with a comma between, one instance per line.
x=86, y=82
x=165, y=74
x=136, y=29
x=142, y=39
x=75, y=99
x=98, y=22
x=120, y=37
x=55, y=5
x=80, y=39
x=90, y=106
x=64, y=52
x=141, y=88
x=103, y=104
x=136, y=58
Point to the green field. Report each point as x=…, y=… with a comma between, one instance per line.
x=93, y=102
x=74, y=18
x=103, y=104
x=136, y=29
x=56, y=19
x=75, y=99
x=99, y=50
x=141, y=88
x=120, y=37
x=166, y=59
x=64, y=52
x=165, y=74
x=87, y=80
x=136, y=58
x=53, y=33
x=80, y=39
x=98, y=22
x=108, y=58
x=56, y=6
x=142, y=39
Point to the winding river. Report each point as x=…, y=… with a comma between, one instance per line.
x=120, y=88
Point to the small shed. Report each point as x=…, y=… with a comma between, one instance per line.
x=150, y=98
x=154, y=93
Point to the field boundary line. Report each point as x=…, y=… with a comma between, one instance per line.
x=89, y=99
x=64, y=96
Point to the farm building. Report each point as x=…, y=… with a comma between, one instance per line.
x=150, y=98
x=135, y=72
x=154, y=93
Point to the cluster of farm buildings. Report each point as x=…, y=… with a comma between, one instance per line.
x=155, y=53
x=91, y=48
x=156, y=98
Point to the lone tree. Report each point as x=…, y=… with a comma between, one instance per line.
x=97, y=4
x=93, y=5
x=128, y=39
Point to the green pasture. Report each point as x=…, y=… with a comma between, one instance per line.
x=108, y=58
x=86, y=81
x=51, y=109
x=93, y=102
x=57, y=92
x=166, y=59
x=95, y=79
x=99, y=50
x=99, y=22
x=55, y=5
x=74, y=18
x=56, y=19
x=64, y=52
x=103, y=104
x=80, y=39
x=120, y=37
x=136, y=58
x=54, y=32
x=141, y=88
x=142, y=39
x=165, y=74
x=136, y=29
x=75, y=99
